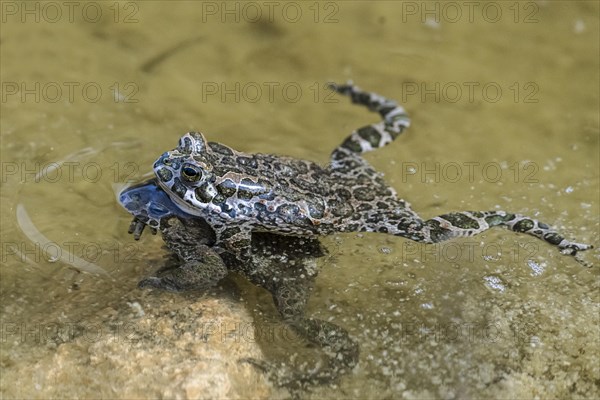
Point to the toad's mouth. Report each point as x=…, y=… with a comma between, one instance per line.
x=188, y=203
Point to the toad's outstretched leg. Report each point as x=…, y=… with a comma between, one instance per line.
x=374, y=136
x=464, y=223
x=393, y=215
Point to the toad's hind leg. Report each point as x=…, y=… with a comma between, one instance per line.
x=286, y=266
x=340, y=349
x=465, y=223
x=469, y=223
x=233, y=239
x=374, y=136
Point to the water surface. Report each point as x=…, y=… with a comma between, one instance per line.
x=504, y=106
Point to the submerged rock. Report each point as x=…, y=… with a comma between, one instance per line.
x=174, y=349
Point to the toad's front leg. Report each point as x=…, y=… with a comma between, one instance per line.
x=201, y=272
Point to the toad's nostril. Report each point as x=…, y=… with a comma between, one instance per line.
x=164, y=174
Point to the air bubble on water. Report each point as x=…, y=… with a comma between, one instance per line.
x=535, y=341
x=536, y=269
x=495, y=283
x=569, y=189
x=490, y=257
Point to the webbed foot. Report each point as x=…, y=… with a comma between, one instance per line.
x=283, y=375
x=340, y=356
x=162, y=283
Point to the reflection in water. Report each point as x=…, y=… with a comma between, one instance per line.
x=39, y=239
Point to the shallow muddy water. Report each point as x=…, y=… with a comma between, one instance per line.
x=503, y=98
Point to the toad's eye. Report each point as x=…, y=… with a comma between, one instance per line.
x=191, y=173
